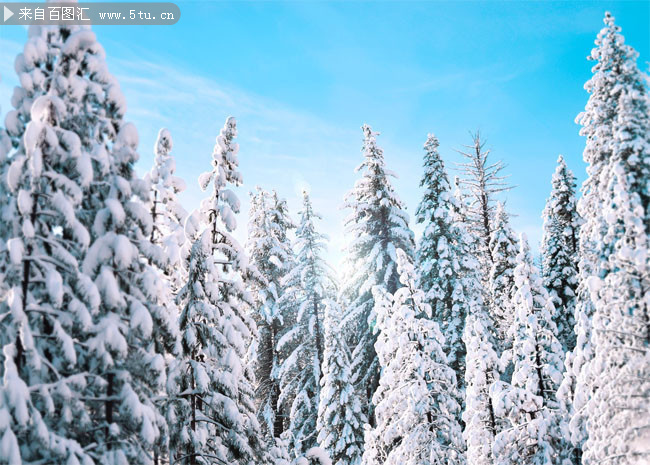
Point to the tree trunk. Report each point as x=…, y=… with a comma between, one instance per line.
x=110, y=378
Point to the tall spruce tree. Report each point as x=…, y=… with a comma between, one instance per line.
x=616, y=271
x=448, y=272
x=417, y=403
x=125, y=359
x=340, y=416
x=167, y=234
x=560, y=250
x=535, y=431
x=503, y=249
x=215, y=420
x=613, y=122
x=47, y=310
x=482, y=181
x=269, y=248
x=482, y=371
x=167, y=214
x=301, y=346
x=377, y=226
x=120, y=366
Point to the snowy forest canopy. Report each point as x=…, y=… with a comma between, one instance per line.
x=134, y=331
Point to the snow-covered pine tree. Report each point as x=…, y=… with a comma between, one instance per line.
x=618, y=412
x=417, y=401
x=482, y=181
x=503, y=250
x=448, y=271
x=215, y=422
x=615, y=84
x=269, y=248
x=340, y=416
x=482, y=370
x=535, y=433
x=47, y=310
x=301, y=346
x=124, y=357
x=68, y=63
x=167, y=214
x=560, y=251
x=167, y=234
x=377, y=226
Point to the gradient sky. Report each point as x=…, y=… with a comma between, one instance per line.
x=303, y=76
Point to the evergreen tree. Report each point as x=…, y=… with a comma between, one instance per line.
x=481, y=423
x=377, y=226
x=215, y=421
x=534, y=435
x=560, y=250
x=613, y=123
x=118, y=364
x=503, y=249
x=483, y=181
x=417, y=401
x=340, y=416
x=168, y=236
x=48, y=307
x=448, y=271
x=301, y=346
x=617, y=272
x=167, y=214
x=124, y=362
x=269, y=248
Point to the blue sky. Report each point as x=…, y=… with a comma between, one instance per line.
x=303, y=76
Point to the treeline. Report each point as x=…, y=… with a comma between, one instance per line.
x=136, y=332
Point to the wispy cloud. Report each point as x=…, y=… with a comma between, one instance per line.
x=282, y=147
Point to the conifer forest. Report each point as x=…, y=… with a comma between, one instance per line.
x=138, y=329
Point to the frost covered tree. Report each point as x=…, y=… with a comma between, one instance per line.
x=535, y=433
x=482, y=371
x=167, y=214
x=377, y=226
x=417, y=401
x=448, y=271
x=167, y=235
x=124, y=356
x=609, y=306
x=616, y=271
x=560, y=251
x=503, y=250
x=270, y=251
x=124, y=359
x=47, y=311
x=482, y=181
x=214, y=419
x=301, y=346
x=340, y=416
x=116, y=356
